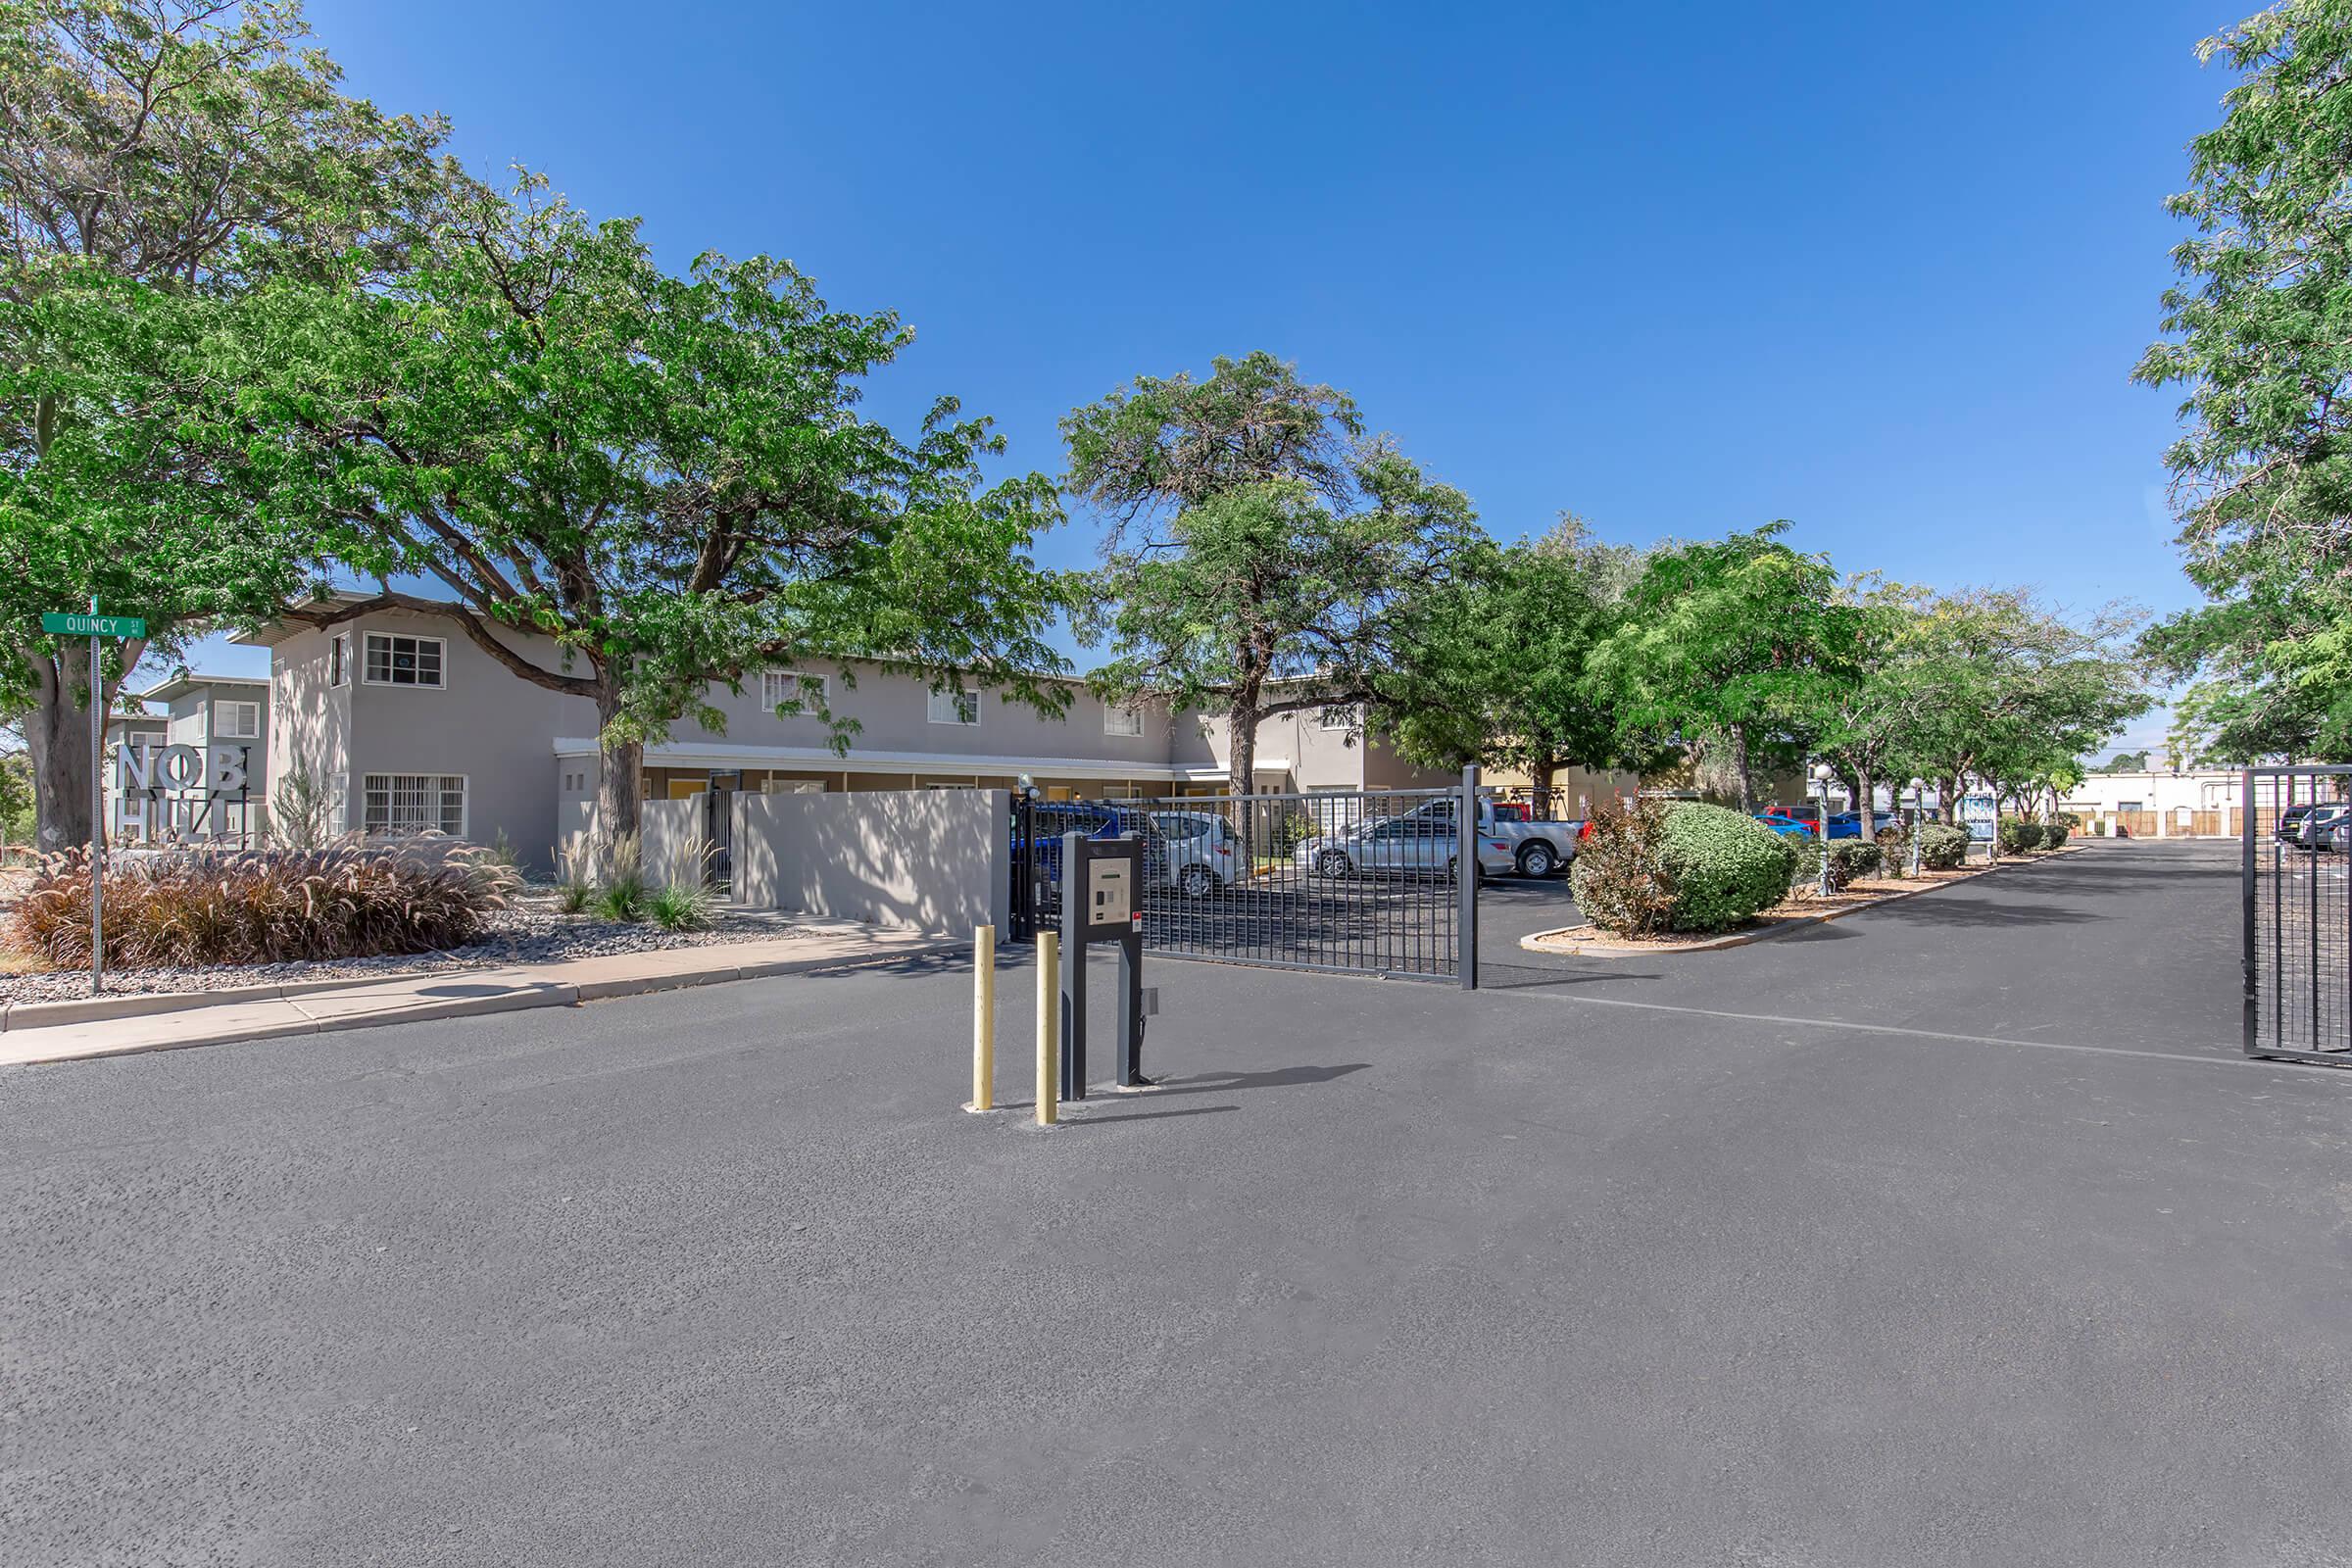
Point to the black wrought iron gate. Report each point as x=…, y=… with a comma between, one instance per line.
x=2295, y=836
x=1372, y=882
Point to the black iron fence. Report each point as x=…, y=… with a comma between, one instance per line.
x=2296, y=839
x=1356, y=882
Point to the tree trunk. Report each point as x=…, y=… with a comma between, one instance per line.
x=1862, y=804
x=57, y=735
x=1240, y=772
x=1747, y=794
x=1539, y=777
x=620, y=771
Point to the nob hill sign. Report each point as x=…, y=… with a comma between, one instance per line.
x=180, y=791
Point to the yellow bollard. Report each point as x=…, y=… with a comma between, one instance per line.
x=1049, y=1028
x=983, y=1018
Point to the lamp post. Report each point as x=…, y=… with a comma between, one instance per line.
x=1822, y=774
x=1917, y=798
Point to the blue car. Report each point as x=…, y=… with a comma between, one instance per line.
x=1097, y=819
x=1786, y=825
x=1849, y=824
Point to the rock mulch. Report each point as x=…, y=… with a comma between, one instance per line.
x=532, y=932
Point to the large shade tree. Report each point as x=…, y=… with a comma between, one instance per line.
x=667, y=476
x=1741, y=638
x=1263, y=555
x=157, y=158
x=1498, y=674
x=2260, y=344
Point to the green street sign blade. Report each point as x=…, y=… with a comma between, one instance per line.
x=75, y=624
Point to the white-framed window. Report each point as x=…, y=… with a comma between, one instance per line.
x=1122, y=721
x=238, y=721
x=339, y=660
x=396, y=658
x=414, y=803
x=954, y=706
x=780, y=686
x=1336, y=718
x=790, y=786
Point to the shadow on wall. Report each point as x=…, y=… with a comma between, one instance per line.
x=933, y=860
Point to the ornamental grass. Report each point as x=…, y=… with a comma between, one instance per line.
x=173, y=909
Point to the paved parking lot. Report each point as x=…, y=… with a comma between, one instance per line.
x=1953, y=1232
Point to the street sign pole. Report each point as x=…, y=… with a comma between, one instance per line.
x=96, y=627
x=97, y=813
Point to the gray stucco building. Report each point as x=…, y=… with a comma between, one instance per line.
x=406, y=725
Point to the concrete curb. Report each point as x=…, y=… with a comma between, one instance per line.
x=137, y=1004
x=556, y=993
x=1782, y=926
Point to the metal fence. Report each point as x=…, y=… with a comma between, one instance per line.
x=2295, y=835
x=1353, y=882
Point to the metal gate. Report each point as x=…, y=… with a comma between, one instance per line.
x=2295, y=835
x=719, y=829
x=1370, y=882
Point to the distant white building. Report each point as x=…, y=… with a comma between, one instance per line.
x=2191, y=802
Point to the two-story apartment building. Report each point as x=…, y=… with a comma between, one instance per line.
x=406, y=725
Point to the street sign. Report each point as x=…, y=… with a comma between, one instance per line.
x=75, y=624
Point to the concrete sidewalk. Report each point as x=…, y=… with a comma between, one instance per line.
x=450, y=993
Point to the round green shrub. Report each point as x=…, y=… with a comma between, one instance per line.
x=1683, y=866
x=1724, y=866
x=1859, y=859
x=2019, y=836
x=1941, y=847
x=2053, y=835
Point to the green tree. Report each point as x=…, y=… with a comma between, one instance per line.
x=1739, y=638
x=1867, y=717
x=667, y=476
x=156, y=158
x=2260, y=341
x=1497, y=675
x=2007, y=691
x=1263, y=557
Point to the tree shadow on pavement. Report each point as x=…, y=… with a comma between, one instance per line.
x=1955, y=912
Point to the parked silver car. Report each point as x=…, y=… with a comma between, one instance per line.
x=1201, y=851
x=1398, y=846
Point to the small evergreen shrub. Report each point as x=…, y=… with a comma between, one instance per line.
x=1941, y=847
x=1895, y=851
x=2053, y=835
x=1683, y=866
x=1857, y=859
x=260, y=906
x=2018, y=836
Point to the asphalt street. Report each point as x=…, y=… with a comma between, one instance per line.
x=1956, y=1232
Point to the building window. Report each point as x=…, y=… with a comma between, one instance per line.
x=395, y=659
x=416, y=803
x=239, y=722
x=1122, y=721
x=954, y=706
x=808, y=694
x=339, y=660
x=1337, y=719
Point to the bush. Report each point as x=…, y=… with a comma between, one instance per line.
x=1683, y=866
x=681, y=907
x=1849, y=859
x=2053, y=835
x=622, y=899
x=1942, y=847
x=574, y=895
x=260, y=906
x=1895, y=851
x=2018, y=836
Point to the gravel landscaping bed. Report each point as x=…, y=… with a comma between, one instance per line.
x=532, y=932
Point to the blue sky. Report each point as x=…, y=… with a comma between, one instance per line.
x=1879, y=270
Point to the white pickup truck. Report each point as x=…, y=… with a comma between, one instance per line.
x=1537, y=849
